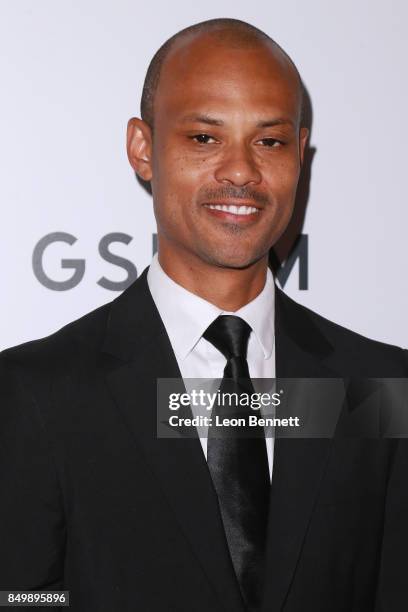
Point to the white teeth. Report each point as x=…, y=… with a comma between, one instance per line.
x=235, y=210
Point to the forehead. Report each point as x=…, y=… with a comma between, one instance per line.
x=206, y=73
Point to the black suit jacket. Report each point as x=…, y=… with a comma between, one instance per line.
x=93, y=502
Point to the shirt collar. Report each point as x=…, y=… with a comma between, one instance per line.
x=186, y=316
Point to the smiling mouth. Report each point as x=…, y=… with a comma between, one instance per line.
x=234, y=209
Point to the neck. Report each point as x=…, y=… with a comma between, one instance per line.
x=227, y=288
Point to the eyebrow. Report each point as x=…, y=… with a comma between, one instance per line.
x=208, y=120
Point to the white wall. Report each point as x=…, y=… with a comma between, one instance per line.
x=71, y=77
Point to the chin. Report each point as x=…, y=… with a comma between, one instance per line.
x=237, y=261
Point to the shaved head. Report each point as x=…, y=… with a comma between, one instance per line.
x=231, y=33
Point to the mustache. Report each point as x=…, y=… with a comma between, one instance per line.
x=234, y=193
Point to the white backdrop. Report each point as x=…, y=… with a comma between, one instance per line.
x=71, y=74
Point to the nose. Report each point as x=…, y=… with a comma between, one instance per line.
x=237, y=167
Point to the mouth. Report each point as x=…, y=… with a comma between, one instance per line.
x=237, y=211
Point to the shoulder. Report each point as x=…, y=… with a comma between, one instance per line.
x=362, y=355
x=72, y=343
x=82, y=345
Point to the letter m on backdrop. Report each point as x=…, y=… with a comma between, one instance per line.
x=298, y=253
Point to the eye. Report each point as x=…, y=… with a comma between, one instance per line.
x=271, y=142
x=202, y=138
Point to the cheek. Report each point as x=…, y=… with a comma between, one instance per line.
x=174, y=185
x=178, y=174
x=282, y=178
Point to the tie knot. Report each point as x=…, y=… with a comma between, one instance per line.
x=229, y=334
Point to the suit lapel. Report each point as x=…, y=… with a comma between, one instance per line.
x=299, y=464
x=137, y=339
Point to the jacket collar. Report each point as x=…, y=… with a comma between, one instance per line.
x=301, y=347
x=134, y=324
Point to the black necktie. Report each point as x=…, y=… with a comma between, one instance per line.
x=239, y=464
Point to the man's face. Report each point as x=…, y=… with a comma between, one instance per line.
x=226, y=152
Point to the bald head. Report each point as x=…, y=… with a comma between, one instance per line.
x=231, y=33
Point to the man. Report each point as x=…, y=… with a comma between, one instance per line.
x=92, y=501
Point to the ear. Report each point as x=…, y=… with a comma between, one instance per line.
x=303, y=136
x=139, y=147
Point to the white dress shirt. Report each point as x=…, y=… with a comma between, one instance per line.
x=186, y=316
